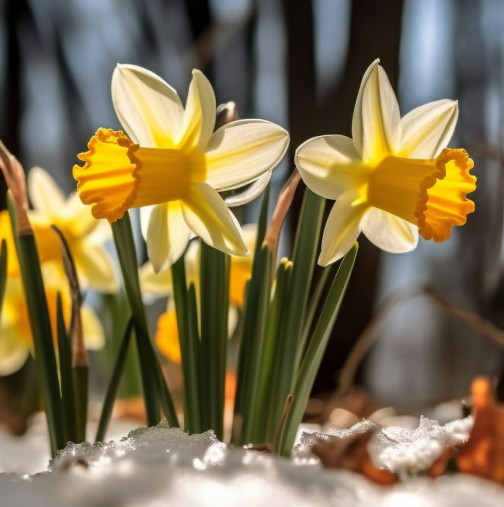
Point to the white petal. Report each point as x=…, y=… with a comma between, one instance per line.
x=167, y=235
x=148, y=108
x=240, y=152
x=199, y=114
x=426, y=130
x=94, y=336
x=375, y=125
x=159, y=284
x=208, y=216
x=388, y=232
x=145, y=214
x=45, y=194
x=342, y=228
x=250, y=193
x=95, y=268
x=330, y=165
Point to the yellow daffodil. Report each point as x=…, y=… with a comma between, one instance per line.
x=174, y=161
x=167, y=339
x=84, y=234
x=395, y=178
x=16, y=342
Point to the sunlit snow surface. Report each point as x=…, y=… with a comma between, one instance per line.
x=161, y=466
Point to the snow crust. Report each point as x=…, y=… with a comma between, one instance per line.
x=164, y=466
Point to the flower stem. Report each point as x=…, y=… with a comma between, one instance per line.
x=315, y=352
x=187, y=323
x=123, y=238
x=45, y=363
x=65, y=368
x=214, y=304
x=113, y=386
x=293, y=313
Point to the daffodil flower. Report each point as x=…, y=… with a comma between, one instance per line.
x=173, y=164
x=84, y=234
x=394, y=179
x=16, y=342
x=167, y=338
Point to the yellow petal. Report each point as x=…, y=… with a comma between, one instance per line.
x=388, y=232
x=167, y=337
x=429, y=193
x=342, y=228
x=158, y=284
x=94, y=336
x=81, y=222
x=240, y=270
x=426, y=130
x=95, y=268
x=45, y=194
x=210, y=219
x=109, y=179
x=167, y=234
x=199, y=114
x=148, y=108
x=329, y=165
x=13, y=351
x=13, y=268
x=240, y=152
x=375, y=126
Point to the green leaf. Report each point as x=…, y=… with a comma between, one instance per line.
x=315, y=352
x=108, y=403
x=214, y=306
x=248, y=337
x=45, y=359
x=66, y=379
x=260, y=412
x=294, y=310
x=187, y=324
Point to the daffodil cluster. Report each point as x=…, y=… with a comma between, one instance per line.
x=394, y=180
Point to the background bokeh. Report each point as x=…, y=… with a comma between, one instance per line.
x=298, y=63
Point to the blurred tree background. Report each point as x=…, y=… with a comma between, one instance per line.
x=298, y=63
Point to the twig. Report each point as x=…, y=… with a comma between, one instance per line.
x=370, y=333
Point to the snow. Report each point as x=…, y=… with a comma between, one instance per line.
x=163, y=466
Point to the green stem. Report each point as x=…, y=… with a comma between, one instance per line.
x=294, y=311
x=108, y=403
x=257, y=308
x=247, y=339
x=315, y=352
x=312, y=309
x=65, y=367
x=187, y=324
x=267, y=428
x=214, y=305
x=45, y=359
x=125, y=246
